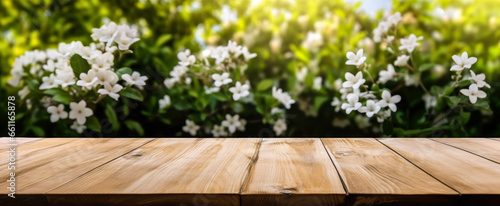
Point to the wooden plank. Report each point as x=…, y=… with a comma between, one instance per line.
x=480, y=146
x=46, y=164
x=293, y=172
x=176, y=171
x=374, y=175
x=497, y=139
x=470, y=175
x=6, y=144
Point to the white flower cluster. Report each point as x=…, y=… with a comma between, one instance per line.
x=464, y=62
x=381, y=32
x=122, y=35
x=54, y=69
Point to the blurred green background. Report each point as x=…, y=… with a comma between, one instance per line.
x=169, y=26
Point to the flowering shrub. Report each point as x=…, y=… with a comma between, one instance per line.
x=74, y=81
x=314, y=68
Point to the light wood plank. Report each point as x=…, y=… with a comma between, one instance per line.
x=467, y=173
x=480, y=146
x=177, y=170
x=293, y=172
x=497, y=139
x=48, y=163
x=368, y=167
x=6, y=144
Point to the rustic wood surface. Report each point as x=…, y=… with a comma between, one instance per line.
x=479, y=146
x=286, y=170
x=253, y=171
x=168, y=166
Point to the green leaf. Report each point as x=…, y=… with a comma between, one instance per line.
x=122, y=71
x=38, y=131
x=132, y=93
x=425, y=67
x=79, y=65
x=464, y=117
x=482, y=105
x=448, y=90
x=134, y=126
x=318, y=101
x=265, y=84
x=387, y=127
x=64, y=98
x=111, y=115
x=163, y=39
x=93, y=124
x=219, y=96
x=452, y=101
x=54, y=91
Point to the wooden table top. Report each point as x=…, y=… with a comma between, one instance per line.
x=253, y=171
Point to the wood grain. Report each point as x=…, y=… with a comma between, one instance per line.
x=368, y=167
x=46, y=164
x=293, y=172
x=186, y=167
x=467, y=173
x=5, y=141
x=481, y=146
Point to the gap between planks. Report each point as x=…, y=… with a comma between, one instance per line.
x=463, y=149
x=418, y=167
x=336, y=168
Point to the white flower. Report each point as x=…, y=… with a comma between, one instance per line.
x=57, y=113
x=352, y=103
x=104, y=61
x=105, y=33
x=110, y=91
x=388, y=100
x=88, y=80
x=48, y=82
x=353, y=81
x=385, y=76
x=246, y=54
x=355, y=59
x=221, y=79
x=239, y=91
x=410, y=43
x=78, y=127
x=279, y=127
x=50, y=66
x=479, y=79
x=370, y=109
x=135, y=79
x=169, y=83
x=87, y=52
x=394, y=19
x=336, y=103
x=243, y=123
x=178, y=71
x=301, y=74
x=24, y=92
x=283, y=97
x=363, y=122
x=65, y=79
x=104, y=76
x=462, y=62
x=232, y=123
x=190, y=127
x=211, y=90
x=313, y=41
x=411, y=80
x=317, y=83
x=125, y=41
x=430, y=101
x=342, y=123
x=473, y=93
x=402, y=60
x=384, y=114
x=165, y=102
x=79, y=111
x=185, y=59
x=218, y=131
